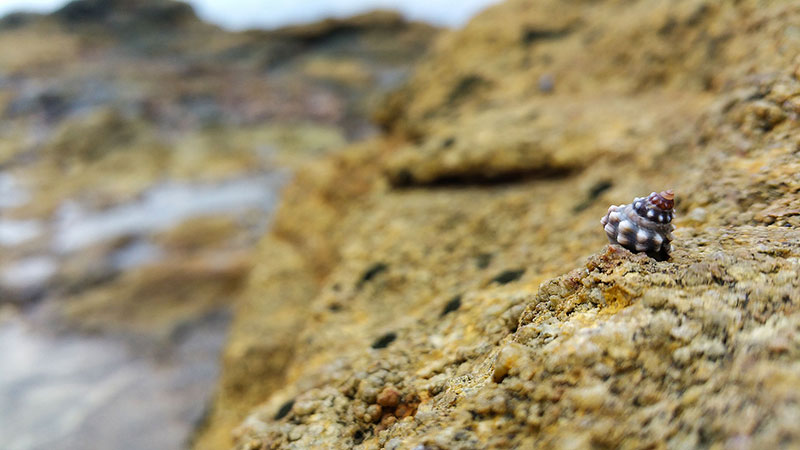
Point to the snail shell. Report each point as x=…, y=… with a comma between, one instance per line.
x=643, y=225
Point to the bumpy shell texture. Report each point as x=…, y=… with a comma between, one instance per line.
x=645, y=225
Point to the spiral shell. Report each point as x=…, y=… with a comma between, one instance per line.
x=643, y=225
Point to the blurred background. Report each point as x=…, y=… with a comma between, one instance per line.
x=242, y=14
x=143, y=146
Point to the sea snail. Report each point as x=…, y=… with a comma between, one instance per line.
x=644, y=225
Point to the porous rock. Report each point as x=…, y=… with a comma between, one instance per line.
x=592, y=345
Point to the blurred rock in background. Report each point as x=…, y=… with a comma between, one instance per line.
x=142, y=152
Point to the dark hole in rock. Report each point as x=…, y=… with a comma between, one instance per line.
x=403, y=178
x=452, y=305
x=465, y=86
x=385, y=340
x=508, y=276
x=480, y=177
x=598, y=188
x=668, y=27
x=594, y=192
x=461, y=435
x=531, y=35
x=371, y=273
x=449, y=142
x=334, y=307
x=483, y=260
x=698, y=15
x=358, y=437
x=284, y=410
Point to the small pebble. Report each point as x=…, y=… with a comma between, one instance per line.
x=508, y=358
x=590, y=398
x=388, y=420
x=403, y=411
x=295, y=433
x=389, y=397
x=373, y=413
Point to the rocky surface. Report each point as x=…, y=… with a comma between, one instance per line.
x=448, y=285
x=141, y=155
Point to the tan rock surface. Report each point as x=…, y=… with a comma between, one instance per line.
x=460, y=262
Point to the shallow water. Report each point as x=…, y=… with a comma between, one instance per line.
x=70, y=391
x=73, y=392
x=18, y=232
x=15, y=232
x=28, y=272
x=162, y=207
x=12, y=194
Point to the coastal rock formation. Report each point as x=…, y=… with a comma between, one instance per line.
x=447, y=285
x=142, y=151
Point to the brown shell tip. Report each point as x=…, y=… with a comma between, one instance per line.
x=669, y=194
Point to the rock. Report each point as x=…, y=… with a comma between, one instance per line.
x=389, y=397
x=144, y=13
x=108, y=106
x=590, y=398
x=587, y=344
x=510, y=357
